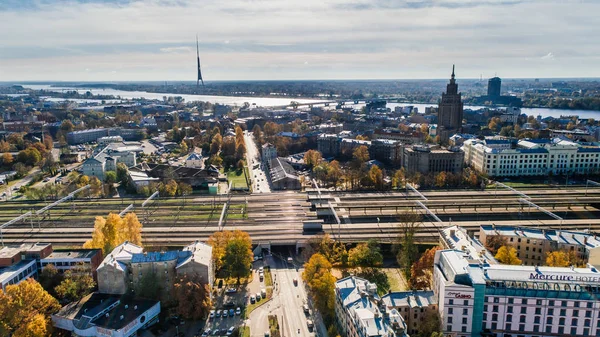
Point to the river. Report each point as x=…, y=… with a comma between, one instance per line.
x=279, y=101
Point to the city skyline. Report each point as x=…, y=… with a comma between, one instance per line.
x=122, y=40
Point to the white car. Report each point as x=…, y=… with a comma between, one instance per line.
x=230, y=331
x=238, y=311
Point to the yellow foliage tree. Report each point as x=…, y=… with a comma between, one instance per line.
x=508, y=255
x=25, y=310
x=114, y=230
x=561, y=258
x=317, y=275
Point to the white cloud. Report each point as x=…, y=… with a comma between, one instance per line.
x=548, y=56
x=240, y=39
x=176, y=50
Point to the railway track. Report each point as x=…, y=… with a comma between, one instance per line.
x=278, y=217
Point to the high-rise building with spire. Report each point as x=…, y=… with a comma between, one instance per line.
x=199, y=70
x=450, y=112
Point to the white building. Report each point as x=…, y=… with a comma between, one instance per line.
x=360, y=312
x=107, y=315
x=108, y=158
x=504, y=158
x=480, y=297
x=269, y=152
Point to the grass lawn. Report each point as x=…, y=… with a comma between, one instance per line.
x=244, y=331
x=236, y=178
x=395, y=278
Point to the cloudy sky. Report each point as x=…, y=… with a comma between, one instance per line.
x=121, y=40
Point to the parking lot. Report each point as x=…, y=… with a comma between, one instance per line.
x=231, y=302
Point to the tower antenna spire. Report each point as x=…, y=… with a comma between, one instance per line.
x=199, y=71
x=453, y=71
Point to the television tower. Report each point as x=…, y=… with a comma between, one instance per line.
x=199, y=71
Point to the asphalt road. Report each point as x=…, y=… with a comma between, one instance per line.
x=260, y=182
x=288, y=300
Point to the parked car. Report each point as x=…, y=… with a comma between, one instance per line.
x=263, y=293
x=218, y=313
x=231, y=312
x=212, y=314
x=295, y=281
x=305, y=308
x=258, y=297
x=225, y=313
x=215, y=332
x=230, y=290
x=238, y=311
x=229, y=304
x=261, y=270
x=230, y=331
x=252, y=299
x=206, y=333
x=310, y=325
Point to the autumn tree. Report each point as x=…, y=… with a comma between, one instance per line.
x=321, y=283
x=76, y=284
x=441, y=179
x=256, y=132
x=192, y=297
x=7, y=159
x=334, y=173
x=95, y=186
x=421, y=272
x=431, y=325
x=508, y=255
x=494, y=242
x=114, y=230
x=215, y=145
x=29, y=156
x=563, y=258
x=409, y=223
x=25, y=310
x=398, y=179
x=218, y=242
x=367, y=254
x=312, y=158
x=376, y=177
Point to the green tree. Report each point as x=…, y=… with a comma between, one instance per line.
x=110, y=177
x=375, y=275
x=409, y=222
x=76, y=284
x=508, y=255
x=50, y=278
x=238, y=255
x=150, y=287
x=122, y=173
x=367, y=254
x=431, y=325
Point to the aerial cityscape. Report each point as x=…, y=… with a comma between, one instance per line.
x=299, y=168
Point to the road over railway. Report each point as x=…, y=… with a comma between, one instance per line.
x=276, y=218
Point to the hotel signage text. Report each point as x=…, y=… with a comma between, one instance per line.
x=569, y=278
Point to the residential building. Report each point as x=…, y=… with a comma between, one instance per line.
x=348, y=145
x=107, y=315
x=427, y=159
x=360, y=312
x=574, y=135
x=415, y=307
x=329, y=145
x=65, y=259
x=125, y=266
x=450, y=111
x=194, y=160
x=269, y=152
x=88, y=136
x=531, y=157
x=386, y=150
x=405, y=137
x=108, y=158
x=533, y=244
x=283, y=176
